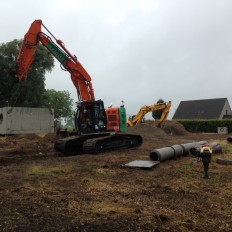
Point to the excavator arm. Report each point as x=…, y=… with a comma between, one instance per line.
x=79, y=76
x=90, y=116
x=137, y=119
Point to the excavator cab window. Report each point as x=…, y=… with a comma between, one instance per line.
x=100, y=119
x=90, y=117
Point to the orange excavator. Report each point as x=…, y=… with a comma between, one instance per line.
x=97, y=129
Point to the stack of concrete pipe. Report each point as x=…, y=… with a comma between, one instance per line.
x=216, y=148
x=174, y=151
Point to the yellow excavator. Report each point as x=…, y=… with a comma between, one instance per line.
x=139, y=117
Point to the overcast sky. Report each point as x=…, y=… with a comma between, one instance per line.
x=136, y=50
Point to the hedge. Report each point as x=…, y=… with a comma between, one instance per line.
x=207, y=126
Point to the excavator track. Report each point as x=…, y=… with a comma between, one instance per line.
x=111, y=143
x=97, y=143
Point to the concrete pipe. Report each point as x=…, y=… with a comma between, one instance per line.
x=188, y=146
x=224, y=161
x=174, y=151
x=229, y=139
x=162, y=154
x=195, y=150
x=216, y=147
x=178, y=150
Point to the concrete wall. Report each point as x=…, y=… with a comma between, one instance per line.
x=22, y=120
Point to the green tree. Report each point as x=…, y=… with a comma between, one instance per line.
x=69, y=122
x=29, y=91
x=61, y=102
x=156, y=114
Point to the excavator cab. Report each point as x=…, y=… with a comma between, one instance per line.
x=90, y=117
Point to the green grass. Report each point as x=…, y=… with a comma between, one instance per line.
x=227, y=152
x=41, y=170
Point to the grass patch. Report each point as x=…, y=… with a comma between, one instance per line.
x=226, y=152
x=41, y=170
x=106, y=208
x=102, y=171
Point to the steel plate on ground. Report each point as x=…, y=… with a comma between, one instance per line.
x=144, y=164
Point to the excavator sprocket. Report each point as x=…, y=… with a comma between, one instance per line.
x=97, y=143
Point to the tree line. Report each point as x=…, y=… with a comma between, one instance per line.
x=31, y=91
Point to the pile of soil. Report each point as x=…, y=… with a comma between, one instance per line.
x=150, y=131
x=174, y=128
x=170, y=127
x=147, y=131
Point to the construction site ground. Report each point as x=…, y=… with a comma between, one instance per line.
x=42, y=190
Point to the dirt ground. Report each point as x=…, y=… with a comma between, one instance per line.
x=42, y=190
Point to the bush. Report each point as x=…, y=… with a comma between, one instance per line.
x=205, y=125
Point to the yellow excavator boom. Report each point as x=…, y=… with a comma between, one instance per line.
x=137, y=119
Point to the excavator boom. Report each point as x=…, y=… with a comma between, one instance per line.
x=28, y=49
x=80, y=78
